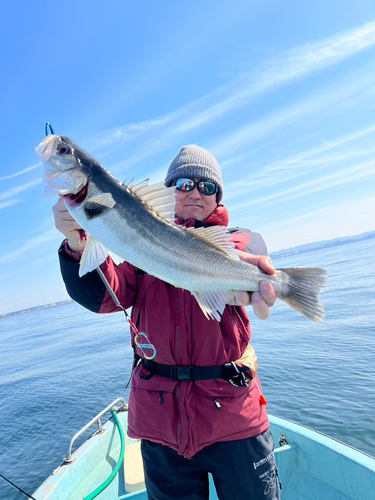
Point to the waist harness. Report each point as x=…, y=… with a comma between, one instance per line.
x=230, y=372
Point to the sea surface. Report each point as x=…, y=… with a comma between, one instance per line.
x=61, y=366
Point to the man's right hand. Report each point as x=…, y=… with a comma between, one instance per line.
x=65, y=223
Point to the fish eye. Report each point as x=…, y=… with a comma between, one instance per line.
x=64, y=149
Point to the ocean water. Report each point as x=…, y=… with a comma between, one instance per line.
x=59, y=367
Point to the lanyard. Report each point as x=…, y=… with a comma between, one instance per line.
x=140, y=339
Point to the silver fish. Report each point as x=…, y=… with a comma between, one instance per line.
x=135, y=223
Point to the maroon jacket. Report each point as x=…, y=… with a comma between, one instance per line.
x=184, y=415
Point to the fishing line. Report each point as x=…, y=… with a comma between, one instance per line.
x=20, y=490
x=137, y=339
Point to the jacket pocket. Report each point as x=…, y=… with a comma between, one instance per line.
x=153, y=414
x=227, y=414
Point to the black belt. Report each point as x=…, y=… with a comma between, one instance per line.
x=229, y=372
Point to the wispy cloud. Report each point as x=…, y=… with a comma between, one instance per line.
x=330, y=97
x=310, y=58
x=122, y=135
x=344, y=176
x=300, y=164
x=295, y=65
x=9, y=203
x=350, y=216
x=19, y=189
x=24, y=171
x=28, y=245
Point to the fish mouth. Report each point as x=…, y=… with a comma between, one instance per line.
x=47, y=147
x=76, y=199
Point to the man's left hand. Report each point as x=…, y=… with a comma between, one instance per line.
x=266, y=297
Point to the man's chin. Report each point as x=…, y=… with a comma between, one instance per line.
x=195, y=213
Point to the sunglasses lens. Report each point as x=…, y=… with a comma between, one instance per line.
x=207, y=187
x=185, y=184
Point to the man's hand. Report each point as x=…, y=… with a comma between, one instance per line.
x=265, y=298
x=65, y=223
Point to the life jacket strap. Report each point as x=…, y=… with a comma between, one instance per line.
x=229, y=372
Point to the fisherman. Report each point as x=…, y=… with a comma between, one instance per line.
x=198, y=407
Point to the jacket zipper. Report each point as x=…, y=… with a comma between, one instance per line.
x=217, y=404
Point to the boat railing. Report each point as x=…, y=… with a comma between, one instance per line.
x=283, y=444
x=96, y=419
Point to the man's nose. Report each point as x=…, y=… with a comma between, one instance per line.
x=195, y=193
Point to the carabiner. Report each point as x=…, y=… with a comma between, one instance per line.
x=141, y=347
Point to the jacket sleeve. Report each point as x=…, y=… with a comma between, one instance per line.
x=89, y=291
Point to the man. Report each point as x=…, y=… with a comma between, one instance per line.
x=193, y=406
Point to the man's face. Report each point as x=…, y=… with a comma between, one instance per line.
x=194, y=204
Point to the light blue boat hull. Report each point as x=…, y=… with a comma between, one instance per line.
x=311, y=466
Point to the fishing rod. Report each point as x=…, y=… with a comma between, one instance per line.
x=20, y=490
x=49, y=129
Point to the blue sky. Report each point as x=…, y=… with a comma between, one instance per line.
x=282, y=93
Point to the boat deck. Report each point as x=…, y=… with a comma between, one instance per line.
x=311, y=466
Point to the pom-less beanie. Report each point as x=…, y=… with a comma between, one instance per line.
x=195, y=162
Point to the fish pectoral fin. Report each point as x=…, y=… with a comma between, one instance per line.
x=213, y=303
x=97, y=205
x=116, y=258
x=218, y=236
x=93, y=255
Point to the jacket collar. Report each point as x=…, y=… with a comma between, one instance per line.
x=219, y=217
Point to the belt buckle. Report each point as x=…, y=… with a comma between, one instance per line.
x=179, y=373
x=238, y=380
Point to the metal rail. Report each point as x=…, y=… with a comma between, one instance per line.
x=96, y=419
x=283, y=444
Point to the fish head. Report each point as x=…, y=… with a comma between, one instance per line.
x=63, y=173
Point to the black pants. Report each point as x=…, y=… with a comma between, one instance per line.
x=243, y=469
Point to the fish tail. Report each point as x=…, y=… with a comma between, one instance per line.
x=301, y=293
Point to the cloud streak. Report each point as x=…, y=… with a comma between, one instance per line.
x=344, y=176
x=28, y=245
x=299, y=165
x=19, y=189
x=21, y=172
x=297, y=64
x=9, y=203
x=326, y=223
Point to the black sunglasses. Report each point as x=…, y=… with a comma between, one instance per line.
x=204, y=187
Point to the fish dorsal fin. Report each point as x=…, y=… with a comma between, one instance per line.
x=218, y=236
x=157, y=197
x=213, y=303
x=137, y=187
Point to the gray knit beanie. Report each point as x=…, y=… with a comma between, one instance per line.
x=194, y=162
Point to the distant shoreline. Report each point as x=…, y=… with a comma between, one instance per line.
x=36, y=308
